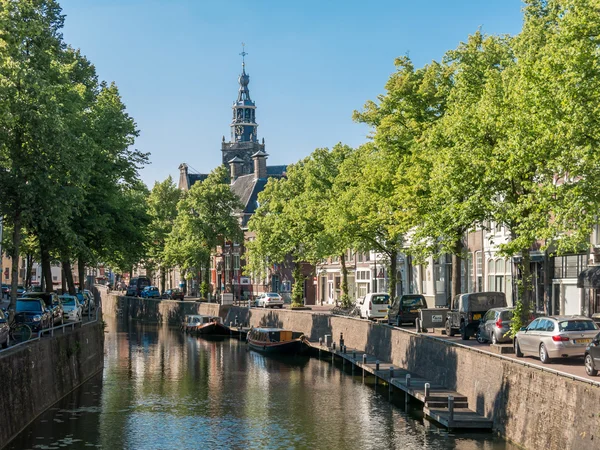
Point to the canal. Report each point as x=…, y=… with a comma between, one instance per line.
x=164, y=390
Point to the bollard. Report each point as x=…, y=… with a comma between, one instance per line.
x=354, y=354
x=427, y=389
x=391, y=373
x=333, y=346
x=377, y=366
x=450, y=409
x=363, y=371
x=320, y=341
x=418, y=325
x=408, y=380
x=341, y=339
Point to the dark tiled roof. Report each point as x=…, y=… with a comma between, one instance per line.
x=276, y=171
x=193, y=177
x=247, y=189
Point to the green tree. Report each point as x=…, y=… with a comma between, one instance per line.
x=162, y=209
x=206, y=218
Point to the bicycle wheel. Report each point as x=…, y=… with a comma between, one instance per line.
x=20, y=333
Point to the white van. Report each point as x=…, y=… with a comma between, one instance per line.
x=374, y=305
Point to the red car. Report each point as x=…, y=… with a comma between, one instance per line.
x=173, y=294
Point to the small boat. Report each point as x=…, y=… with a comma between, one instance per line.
x=275, y=340
x=205, y=325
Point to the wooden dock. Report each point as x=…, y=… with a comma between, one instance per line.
x=446, y=407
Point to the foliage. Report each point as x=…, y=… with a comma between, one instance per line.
x=298, y=287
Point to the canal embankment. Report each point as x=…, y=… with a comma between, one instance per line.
x=532, y=407
x=37, y=374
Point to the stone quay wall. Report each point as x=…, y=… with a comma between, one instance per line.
x=152, y=310
x=533, y=408
x=37, y=374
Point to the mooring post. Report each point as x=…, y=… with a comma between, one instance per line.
x=333, y=346
x=418, y=325
x=427, y=389
x=450, y=410
x=363, y=369
x=354, y=355
x=390, y=382
x=376, y=366
x=408, y=380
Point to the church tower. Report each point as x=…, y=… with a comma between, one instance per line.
x=244, y=139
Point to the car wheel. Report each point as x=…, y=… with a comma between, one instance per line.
x=544, y=358
x=494, y=339
x=449, y=330
x=480, y=338
x=464, y=334
x=518, y=352
x=589, y=366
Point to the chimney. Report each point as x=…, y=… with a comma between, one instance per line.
x=183, y=177
x=235, y=167
x=260, y=164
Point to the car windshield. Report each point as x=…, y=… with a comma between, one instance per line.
x=413, y=301
x=68, y=301
x=273, y=295
x=577, y=325
x=33, y=306
x=507, y=314
x=380, y=299
x=479, y=302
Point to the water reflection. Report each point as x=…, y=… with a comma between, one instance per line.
x=161, y=389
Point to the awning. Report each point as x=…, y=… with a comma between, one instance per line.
x=589, y=278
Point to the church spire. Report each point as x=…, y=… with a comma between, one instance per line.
x=243, y=125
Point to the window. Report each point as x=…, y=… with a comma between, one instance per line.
x=236, y=262
x=364, y=275
x=227, y=262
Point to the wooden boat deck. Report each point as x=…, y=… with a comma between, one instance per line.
x=435, y=403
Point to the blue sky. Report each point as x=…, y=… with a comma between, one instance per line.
x=311, y=63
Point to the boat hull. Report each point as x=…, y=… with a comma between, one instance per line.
x=280, y=348
x=212, y=329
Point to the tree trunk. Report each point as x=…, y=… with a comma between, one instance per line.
x=81, y=272
x=345, y=296
x=163, y=279
x=29, y=258
x=46, y=268
x=392, y=275
x=68, y=273
x=14, y=282
x=456, y=269
x=525, y=287
x=63, y=280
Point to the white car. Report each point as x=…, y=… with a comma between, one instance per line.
x=72, y=308
x=374, y=305
x=270, y=300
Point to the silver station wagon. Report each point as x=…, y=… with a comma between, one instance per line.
x=555, y=337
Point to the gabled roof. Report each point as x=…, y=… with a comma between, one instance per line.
x=247, y=188
x=276, y=171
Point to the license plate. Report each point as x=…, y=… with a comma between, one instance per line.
x=414, y=310
x=383, y=310
x=582, y=341
x=476, y=316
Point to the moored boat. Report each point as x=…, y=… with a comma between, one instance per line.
x=205, y=325
x=275, y=340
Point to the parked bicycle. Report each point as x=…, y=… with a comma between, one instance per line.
x=20, y=332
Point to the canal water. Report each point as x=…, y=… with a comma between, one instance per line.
x=161, y=389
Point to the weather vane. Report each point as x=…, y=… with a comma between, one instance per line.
x=243, y=54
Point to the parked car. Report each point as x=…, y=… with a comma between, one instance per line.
x=406, y=309
x=467, y=310
x=33, y=312
x=5, y=290
x=270, y=300
x=555, y=337
x=173, y=294
x=52, y=302
x=150, y=292
x=20, y=291
x=137, y=285
x=4, y=330
x=374, y=305
x=89, y=300
x=592, y=356
x=495, y=325
x=73, y=309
